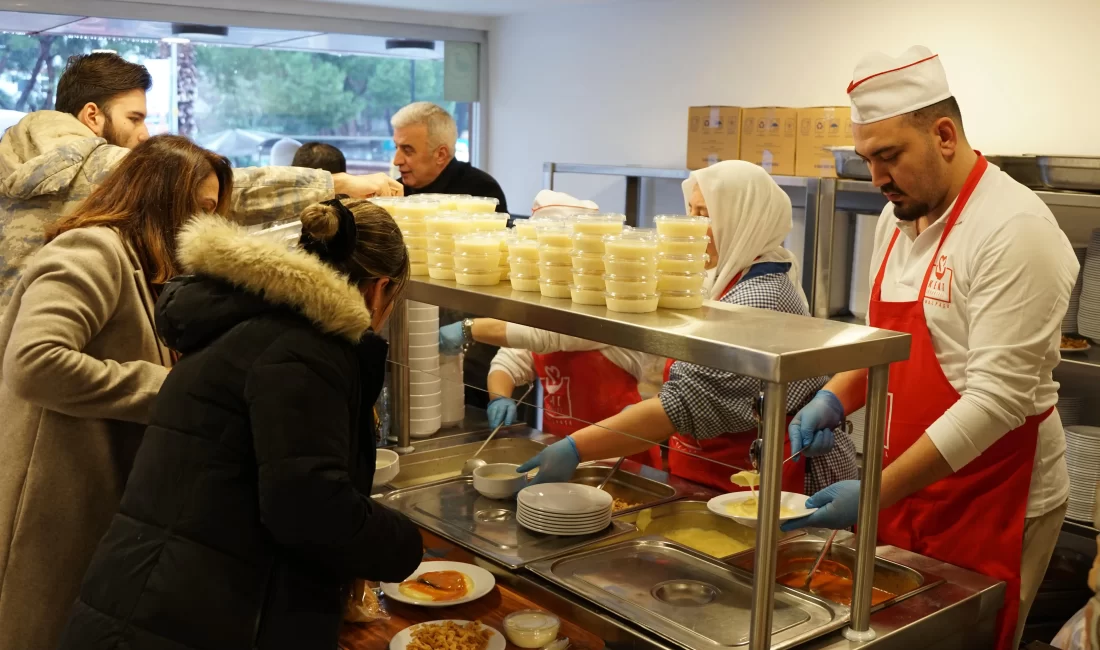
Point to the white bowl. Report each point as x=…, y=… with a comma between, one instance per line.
x=424, y=428
x=426, y=412
x=424, y=338
x=430, y=387
x=424, y=377
x=424, y=327
x=793, y=501
x=428, y=351
x=425, y=399
x=428, y=364
x=498, y=480
x=565, y=498
x=386, y=466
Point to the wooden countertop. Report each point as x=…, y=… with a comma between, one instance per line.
x=490, y=610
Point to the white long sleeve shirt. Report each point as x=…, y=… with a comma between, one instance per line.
x=994, y=319
x=523, y=342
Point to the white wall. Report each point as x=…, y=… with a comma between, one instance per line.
x=611, y=84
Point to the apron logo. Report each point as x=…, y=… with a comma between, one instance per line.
x=553, y=381
x=938, y=291
x=557, y=403
x=941, y=267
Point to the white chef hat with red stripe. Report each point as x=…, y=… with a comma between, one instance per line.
x=884, y=86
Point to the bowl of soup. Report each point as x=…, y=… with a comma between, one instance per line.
x=386, y=466
x=499, y=480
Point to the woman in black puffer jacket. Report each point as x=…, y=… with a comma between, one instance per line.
x=247, y=512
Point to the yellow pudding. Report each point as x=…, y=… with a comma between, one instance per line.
x=672, y=225
x=418, y=269
x=477, y=244
x=681, y=299
x=630, y=267
x=475, y=204
x=441, y=273
x=418, y=255
x=447, y=202
x=746, y=478
x=555, y=255
x=522, y=282
x=556, y=272
x=583, y=243
x=416, y=241
x=441, y=243
x=477, y=278
x=749, y=507
x=417, y=209
x=631, y=304
x=586, y=296
x=449, y=224
x=411, y=227
x=551, y=289
x=525, y=228
x=711, y=542
x=630, y=285
x=680, y=281
x=477, y=262
x=527, y=249
x=444, y=260
x=589, y=280
x=387, y=203
x=556, y=234
x=682, y=263
x=588, y=263
x=634, y=244
x=524, y=267
x=489, y=221
x=683, y=245
x=598, y=224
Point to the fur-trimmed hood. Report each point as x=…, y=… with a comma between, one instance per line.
x=194, y=309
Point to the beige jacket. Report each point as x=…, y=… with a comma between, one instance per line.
x=81, y=365
x=50, y=162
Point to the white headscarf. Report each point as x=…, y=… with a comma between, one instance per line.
x=549, y=204
x=750, y=216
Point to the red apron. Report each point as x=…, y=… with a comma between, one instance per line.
x=730, y=448
x=975, y=517
x=603, y=390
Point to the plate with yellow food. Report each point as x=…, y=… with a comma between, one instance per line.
x=448, y=635
x=742, y=506
x=441, y=584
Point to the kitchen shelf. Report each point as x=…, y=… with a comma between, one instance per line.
x=760, y=343
x=1079, y=528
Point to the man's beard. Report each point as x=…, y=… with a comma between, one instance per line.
x=909, y=211
x=111, y=135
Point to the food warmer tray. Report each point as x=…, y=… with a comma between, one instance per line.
x=1022, y=169
x=453, y=509
x=1080, y=173
x=850, y=165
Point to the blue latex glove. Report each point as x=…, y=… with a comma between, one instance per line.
x=451, y=339
x=837, y=508
x=811, y=430
x=556, y=463
x=501, y=410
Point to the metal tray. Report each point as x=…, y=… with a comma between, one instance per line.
x=1022, y=169
x=1080, y=173
x=430, y=466
x=626, y=486
x=453, y=509
x=849, y=164
x=683, y=596
x=890, y=576
x=667, y=517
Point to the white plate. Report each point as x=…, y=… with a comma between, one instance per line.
x=482, y=579
x=1071, y=350
x=572, y=532
x=565, y=498
x=558, y=521
x=790, y=500
x=403, y=638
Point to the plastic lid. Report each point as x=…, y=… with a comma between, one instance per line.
x=684, y=258
x=493, y=236
x=631, y=296
x=644, y=235
x=549, y=281
x=684, y=294
x=684, y=274
x=475, y=256
x=580, y=272
x=466, y=271
x=599, y=217
x=554, y=225
x=523, y=276
x=555, y=265
x=679, y=218
x=682, y=239
x=480, y=199
x=531, y=620
x=627, y=278
x=644, y=259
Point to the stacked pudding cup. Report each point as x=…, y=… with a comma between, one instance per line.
x=441, y=231
x=588, y=285
x=477, y=258
x=555, y=253
x=523, y=261
x=494, y=222
x=630, y=271
x=447, y=202
x=411, y=215
x=682, y=258
x=475, y=204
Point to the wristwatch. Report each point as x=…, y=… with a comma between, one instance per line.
x=467, y=333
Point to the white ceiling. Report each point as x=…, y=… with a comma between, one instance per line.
x=476, y=7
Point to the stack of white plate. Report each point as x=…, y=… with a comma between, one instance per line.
x=454, y=393
x=1069, y=323
x=1088, y=313
x=563, y=509
x=857, y=420
x=1069, y=409
x=425, y=387
x=1083, y=463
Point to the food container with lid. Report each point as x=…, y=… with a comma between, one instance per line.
x=475, y=204
x=529, y=628
x=682, y=263
x=524, y=267
x=411, y=226
x=630, y=285
x=387, y=203
x=631, y=244
x=583, y=243
x=481, y=243
x=682, y=299
x=477, y=262
x=631, y=303
x=418, y=256
x=525, y=228
x=589, y=279
x=606, y=223
x=449, y=223
x=588, y=262
x=551, y=289
x=667, y=281
x=555, y=255
x=678, y=225
x=441, y=243
x=556, y=272
x=524, y=282
x=415, y=208
x=556, y=234
x=441, y=259
x=586, y=295
x=489, y=221
x=438, y=272
x=683, y=245
x=447, y=202
x=631, y=267
x=523, y=249
x=477, y=278
x=416, y=241
x=417, y=268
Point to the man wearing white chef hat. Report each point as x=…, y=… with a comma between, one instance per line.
x=975, y=268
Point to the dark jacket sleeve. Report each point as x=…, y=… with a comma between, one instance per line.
x=298, y=395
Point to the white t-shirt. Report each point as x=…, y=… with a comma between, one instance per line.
x=995, y=319
x=518, y=361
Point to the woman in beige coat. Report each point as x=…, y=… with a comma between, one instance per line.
x=82, y=363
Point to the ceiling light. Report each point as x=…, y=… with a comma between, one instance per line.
x=201, y=32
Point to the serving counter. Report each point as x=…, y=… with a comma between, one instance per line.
x=736, y=606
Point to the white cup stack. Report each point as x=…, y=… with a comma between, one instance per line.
x=441, y=230
x=411, y=214
x=425, y=386
x=682, y=248
x=1088, y=314
x=1069, y=322
x=587, y=287
x=476, y=204
x=523, y=259
x=630, y=262
x=555, y=240
x=454, y=393
x=477, y=258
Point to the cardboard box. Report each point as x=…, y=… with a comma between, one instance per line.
x=714, y=135
x=819, y=128
x=769, y=136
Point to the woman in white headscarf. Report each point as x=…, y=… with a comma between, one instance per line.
x=708, y=413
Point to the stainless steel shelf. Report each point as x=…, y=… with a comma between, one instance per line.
x=759, y=343
x=1050, y=197
x=637, y=171
x=1079, y=528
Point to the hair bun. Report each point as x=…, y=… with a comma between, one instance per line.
x=321, y=221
